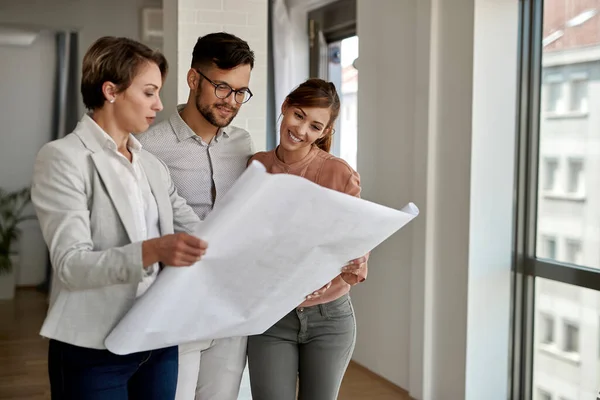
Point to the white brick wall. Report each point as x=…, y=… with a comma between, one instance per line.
x=244, y=18
x=183, y=22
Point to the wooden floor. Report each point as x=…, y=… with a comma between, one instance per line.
x=23, y=373
x=361, y=384
x=23, y=355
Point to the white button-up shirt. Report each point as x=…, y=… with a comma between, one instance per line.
x=139, y=195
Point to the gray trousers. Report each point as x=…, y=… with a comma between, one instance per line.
x=311, y=344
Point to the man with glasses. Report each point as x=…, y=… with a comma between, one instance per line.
x=206, y=156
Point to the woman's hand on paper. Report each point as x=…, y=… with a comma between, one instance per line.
x=351, y=272
x=318, y=293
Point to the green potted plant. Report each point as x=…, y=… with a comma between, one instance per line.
x=12, y=208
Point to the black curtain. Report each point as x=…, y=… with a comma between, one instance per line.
x=66, y=105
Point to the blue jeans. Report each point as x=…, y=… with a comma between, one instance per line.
x=81, y=373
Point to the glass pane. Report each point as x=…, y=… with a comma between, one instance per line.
x=567, y=342
x=349, y=112
x=343, y=73
x=568, y=209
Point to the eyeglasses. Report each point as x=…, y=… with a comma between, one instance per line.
x=223, y=91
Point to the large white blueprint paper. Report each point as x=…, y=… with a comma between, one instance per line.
x=272, y=240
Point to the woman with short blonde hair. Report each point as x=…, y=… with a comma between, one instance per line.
x=109, y=214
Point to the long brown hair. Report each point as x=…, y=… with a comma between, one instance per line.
x=321, y=94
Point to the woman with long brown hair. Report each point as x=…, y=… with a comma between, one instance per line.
x=314, y=342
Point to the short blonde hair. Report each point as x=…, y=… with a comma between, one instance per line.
x=116, y=60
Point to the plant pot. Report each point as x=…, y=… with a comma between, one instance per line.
x=8, y=281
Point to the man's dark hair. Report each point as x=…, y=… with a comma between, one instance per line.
x=224, y=50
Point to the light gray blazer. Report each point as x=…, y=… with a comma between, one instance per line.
x=87, y=224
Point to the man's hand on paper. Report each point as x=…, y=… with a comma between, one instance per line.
x=351, y=271
x=176, y=250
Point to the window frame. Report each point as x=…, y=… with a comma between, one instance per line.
x=531, y=108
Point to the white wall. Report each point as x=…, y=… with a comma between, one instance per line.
x=26, y=91
x=186, y=20
x=31, y=90
x=434, y=315
x=448, y=198
x=418, y=286
x=91, y=18
x=386, y=125
x=492, y=187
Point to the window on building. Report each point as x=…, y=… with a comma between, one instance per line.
x=550, y=172
x=343, y=72
x=554, y=96
x=574, y=254
x=549, y=247
x=579, y=95
x=543, y=395
x=575, y=176
x=571, y=338
x=547, y=329
x=556, y=232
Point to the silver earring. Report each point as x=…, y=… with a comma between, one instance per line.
x=112, y=101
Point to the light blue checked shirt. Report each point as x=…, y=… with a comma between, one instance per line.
x=202, y=172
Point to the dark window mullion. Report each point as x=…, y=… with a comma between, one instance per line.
x=572, y=274
x=532, y=171
x=526, y=197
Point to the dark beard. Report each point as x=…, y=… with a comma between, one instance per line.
x=210, y=115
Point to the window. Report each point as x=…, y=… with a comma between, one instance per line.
x=543, y=395
x=547, y=329
x=579, y=95
x=334, y=56
x=549, y=249
x=554, y=96
x=571, y=338
x=574, y=254
x=348, y=122
x=550, y=171
x=575, y=176
x=557, y=234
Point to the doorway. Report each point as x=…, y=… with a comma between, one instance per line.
x=334, y=50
